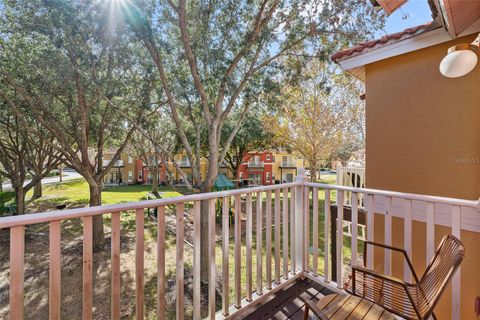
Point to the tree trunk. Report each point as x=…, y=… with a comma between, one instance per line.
x=235, y=170
x=19, y=200
x=96, y=200
x=207, y=186
x=155, y=181
x=313, y=173
x=60, y=174
x=37, y=190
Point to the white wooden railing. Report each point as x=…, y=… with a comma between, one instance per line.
x=351, y=177
x=289, y=209
x=457, y=214
x=256, y=164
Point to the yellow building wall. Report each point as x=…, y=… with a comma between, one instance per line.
x=276, y=166
x=126, y=166
x=423, y=136
x=188, y=170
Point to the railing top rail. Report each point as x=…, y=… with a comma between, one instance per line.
x=353, y=167
x=395, y=194
x=34, y=218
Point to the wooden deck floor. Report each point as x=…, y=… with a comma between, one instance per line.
x=286, y=304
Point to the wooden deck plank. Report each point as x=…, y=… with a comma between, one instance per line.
x=336, y=304
x=347, y=309
x=325, y=302
x=375, y=312
x=286, y=304
x=360, y=310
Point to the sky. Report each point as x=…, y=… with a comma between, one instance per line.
x=416, y=12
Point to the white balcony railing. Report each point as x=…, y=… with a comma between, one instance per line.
x=118, y=163
x=351, y=177
x=255, y=164
x=184, y=163
x=289, y=209
x=288, y=164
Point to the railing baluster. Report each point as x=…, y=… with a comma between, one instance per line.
x=387, y=290
x=238, y=252
x=306, y=204
x=180, y=272
x=161, y=230
x=292, y=231
x=340, y=197
x=326, y=235
x=277, y=236
x=285, y=233
x=315, y=231
x=407, y=238
x=115, y=261
x=17, y=253
x=54, y=302
x=259, y=243
x=456, y=289
x=353, y=261
x=139, y=263
x=211, y=258
x=370, y=227
x=87, y=267
x=248, y=244
x=225, y=257
x=388, y=236
x=268, y=239
x=430, y=231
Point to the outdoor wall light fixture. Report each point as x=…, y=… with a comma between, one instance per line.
x=460, y=59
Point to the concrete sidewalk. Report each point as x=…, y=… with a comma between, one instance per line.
x=67, y=175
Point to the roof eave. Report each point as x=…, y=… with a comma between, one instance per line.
x=355, y=64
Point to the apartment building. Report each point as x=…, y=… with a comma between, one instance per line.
x=258, y=168
x=124, y=171
x=269, y=167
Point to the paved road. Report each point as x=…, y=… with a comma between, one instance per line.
x=67, y=175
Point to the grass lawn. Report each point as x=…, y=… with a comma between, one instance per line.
x=7, y=197
x=76, y=194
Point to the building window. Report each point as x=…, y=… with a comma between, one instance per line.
x=130, y=176
x=240, y=176
x=268, y=157
x=256, y=178
x=185, y=162
x=130, y=159
x=140, y=176
x=268, y=177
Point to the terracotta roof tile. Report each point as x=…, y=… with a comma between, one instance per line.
x=385, y=40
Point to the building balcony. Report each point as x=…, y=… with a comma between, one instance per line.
x=255, y=164
x=288, y=164
x=184, y=164
x=286, y=260
x=118, y=163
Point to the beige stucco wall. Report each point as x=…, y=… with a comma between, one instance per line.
x=423, y=136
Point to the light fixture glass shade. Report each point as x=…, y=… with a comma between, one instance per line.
x=458, y=63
